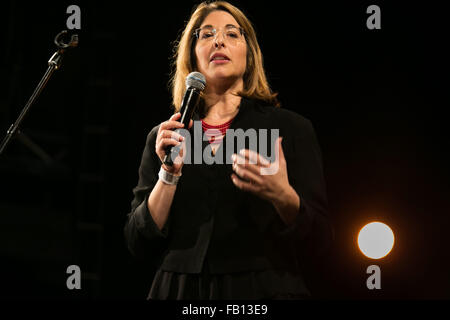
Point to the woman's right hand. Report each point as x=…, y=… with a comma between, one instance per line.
x=167, y=137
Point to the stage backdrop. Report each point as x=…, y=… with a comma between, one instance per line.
x=375, y=98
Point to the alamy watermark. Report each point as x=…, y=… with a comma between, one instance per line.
x=74, y=20
x=374, y=20
x=262, y=140
x=374, y=280
x=74, y=280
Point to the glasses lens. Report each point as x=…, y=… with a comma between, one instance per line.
x=206, y=33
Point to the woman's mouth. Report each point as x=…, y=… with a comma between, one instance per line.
x=219, y=58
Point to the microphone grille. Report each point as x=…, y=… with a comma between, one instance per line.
x=196, y=80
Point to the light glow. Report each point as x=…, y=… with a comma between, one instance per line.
x=375, y=240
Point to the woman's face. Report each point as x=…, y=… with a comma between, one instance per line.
x=221, y=50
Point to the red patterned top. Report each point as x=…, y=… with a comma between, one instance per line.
x=215, y=134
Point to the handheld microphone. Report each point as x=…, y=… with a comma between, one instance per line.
x=195, y=83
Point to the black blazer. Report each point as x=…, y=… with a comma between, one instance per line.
x=236, y=230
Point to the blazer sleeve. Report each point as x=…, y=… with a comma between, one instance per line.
x=312, y=232
x=143, y=237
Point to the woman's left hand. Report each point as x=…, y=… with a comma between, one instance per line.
x=267, y=180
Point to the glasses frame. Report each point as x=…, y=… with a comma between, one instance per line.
x=196, y=32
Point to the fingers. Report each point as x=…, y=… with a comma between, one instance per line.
x=246, y=173
x=162, y=144
x=170, y=134
x=179, y=159
x=167, y=137
x=251, y=165
x=240, y=163
x=172, y=123
x=253, y=157
x=280, y=148
x=165, y=132
x=175, y=116
x=244, y=185
x=250, y=161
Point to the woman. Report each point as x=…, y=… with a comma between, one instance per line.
x=228, y=230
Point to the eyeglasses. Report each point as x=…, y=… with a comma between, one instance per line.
x=231, y=34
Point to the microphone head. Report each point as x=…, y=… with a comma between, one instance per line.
x=196, y=80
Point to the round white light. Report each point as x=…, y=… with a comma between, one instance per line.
x=375, y=240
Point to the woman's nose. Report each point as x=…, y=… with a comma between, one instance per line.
x=219, y=40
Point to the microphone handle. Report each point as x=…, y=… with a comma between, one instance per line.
x=188, y=106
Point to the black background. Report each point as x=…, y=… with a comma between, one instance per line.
x=375, y=97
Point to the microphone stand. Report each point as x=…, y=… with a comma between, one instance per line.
x=53, y=64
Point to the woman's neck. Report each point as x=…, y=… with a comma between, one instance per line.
x=221, y=107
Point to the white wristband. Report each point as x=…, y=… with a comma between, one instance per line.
x=167, y=177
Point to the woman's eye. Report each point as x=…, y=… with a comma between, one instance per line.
x=232, y=34
x=207, y=35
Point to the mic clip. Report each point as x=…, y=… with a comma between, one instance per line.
x=56, y=58
x=73, y=42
